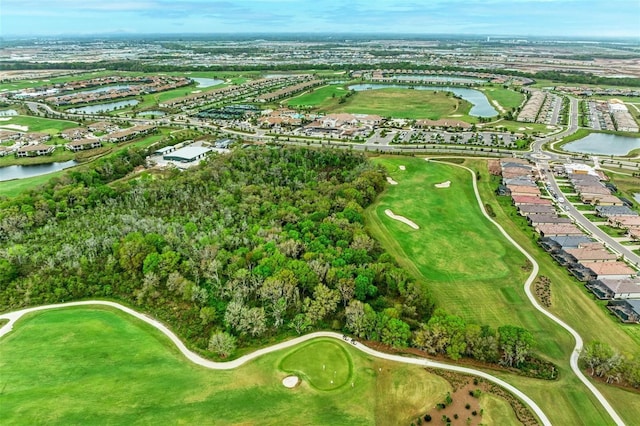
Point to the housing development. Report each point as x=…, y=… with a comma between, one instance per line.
x=320, y=229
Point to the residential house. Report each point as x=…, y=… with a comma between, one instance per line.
x=83, y=144
x=614, y=270
x=607, y=288
x=34, y=150
x=549, y=230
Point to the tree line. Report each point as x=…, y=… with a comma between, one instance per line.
x=246, y=248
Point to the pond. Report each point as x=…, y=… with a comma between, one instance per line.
x=603, y=144
x=480, y=104
x=98, y=108
x=21, y=172
x=8, y=112
x=441, y=78
x=636, y=196
x=206, y=82
x=153, y=113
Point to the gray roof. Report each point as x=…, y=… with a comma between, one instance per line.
x=616, y=211
x=165, y=149
x=635, y=305
x=626, y=285
x=571, y=241
x=188, y=153
x=520, y=181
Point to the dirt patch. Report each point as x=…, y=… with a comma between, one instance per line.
x=462, y=407
x=391, y=181
x=401, y=219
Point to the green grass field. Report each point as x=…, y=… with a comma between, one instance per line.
x=38, y=124
x=496, y=295
x=507, y=98
x=497, y=412
x=318, y=97
x=76, y=365
x=402, y=103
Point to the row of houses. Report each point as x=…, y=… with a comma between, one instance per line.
x=383, y=75
x=126, y=87
x=233, y=91
x=588, y=260
x=288, y=91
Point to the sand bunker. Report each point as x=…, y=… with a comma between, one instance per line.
x=290, y=381
x=401, y=219
x=443, y=184
x=391, y=181
x=402, y=167
x=5, y=118
x=15, y=127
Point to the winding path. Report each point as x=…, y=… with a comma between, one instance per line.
x=573, y=361
x=197, y=359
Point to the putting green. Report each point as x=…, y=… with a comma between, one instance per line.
x=324, y=364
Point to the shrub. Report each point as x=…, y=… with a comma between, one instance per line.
x=427, y=418
x=455, y=416
x=467, y=406
x=474, y=413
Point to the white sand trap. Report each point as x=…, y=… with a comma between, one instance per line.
x=402, y=167
x=401, y=219
x=443, y=184
x=290, y=381
x=5, y=118
x=455, y=115
x=15, y=127
x=196, y=91
x=521, y=128
x=391, y=181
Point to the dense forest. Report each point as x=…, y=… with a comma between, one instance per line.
x=243, y=249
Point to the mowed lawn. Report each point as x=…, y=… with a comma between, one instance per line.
x=404, y=103
x=38, y=124
x=86, y=365
x=481, y=277
x=317, y=97
x=471, y=270
x=507, y=98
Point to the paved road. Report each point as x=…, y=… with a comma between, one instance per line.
x=573, y=361
x=586, y=224
x=197, y=359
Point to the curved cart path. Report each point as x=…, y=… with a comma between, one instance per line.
x=573, y=361
x=197, y=359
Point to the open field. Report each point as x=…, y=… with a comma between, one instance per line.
x=492, y=297
x=38, y=124
x=100, y=363
x=507, y=98
x=403, y=103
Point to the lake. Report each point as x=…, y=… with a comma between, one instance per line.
x=206, y=82
x=21, y=172
x=93, y=109
x=8, y=112
x=480, y=104
x=603, y=144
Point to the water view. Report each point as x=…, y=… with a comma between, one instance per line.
x=93, y=109
x=603, y=144
x=480, y=104
x=206, y=82
x=8, y=112
x=21, y=172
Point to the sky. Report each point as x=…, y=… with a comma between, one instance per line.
x=592, y=18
